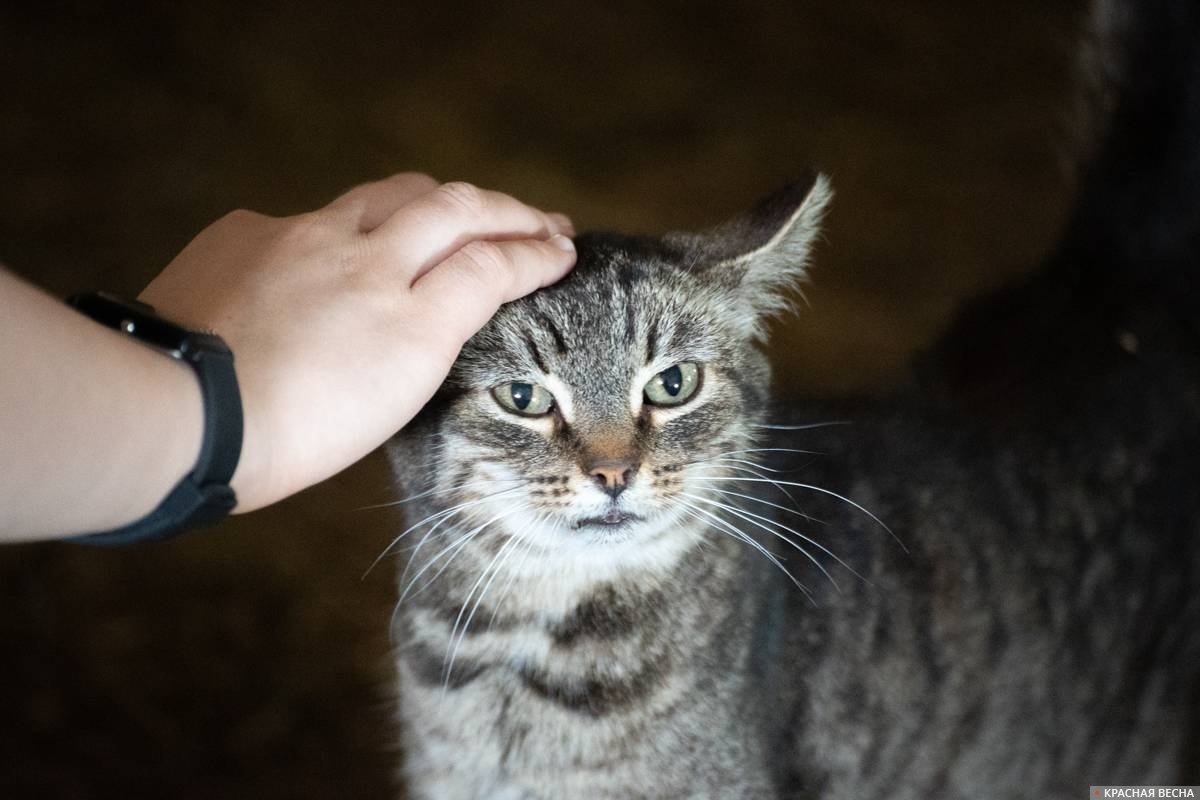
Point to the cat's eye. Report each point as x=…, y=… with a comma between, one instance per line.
x=526, y=399
x=673, y=386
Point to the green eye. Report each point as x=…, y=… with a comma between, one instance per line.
x=674, y=386
x=526, y=399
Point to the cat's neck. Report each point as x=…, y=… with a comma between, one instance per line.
x=549, y=586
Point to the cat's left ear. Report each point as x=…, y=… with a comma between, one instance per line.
x=760, y=255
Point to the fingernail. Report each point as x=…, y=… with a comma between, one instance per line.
x=562, y=242
x=563, y=222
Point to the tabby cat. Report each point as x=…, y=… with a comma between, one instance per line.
x=628, y=575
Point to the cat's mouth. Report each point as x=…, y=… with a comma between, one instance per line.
x=612, y=518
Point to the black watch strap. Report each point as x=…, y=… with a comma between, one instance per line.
x=204, y=495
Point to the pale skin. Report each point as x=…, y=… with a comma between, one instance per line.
x=343, y=323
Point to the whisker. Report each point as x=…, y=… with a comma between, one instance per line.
x=451, y=531
x=758, y=500
x=436, y=491
x=508, y=548
x=451, y=647
x=403, y=500
x=460, y=542
x=732, y=530
x=444, y=514
x=718, y=460
x=759, y=467
x=454, y=529
x=437, y=555
x=768, y=479
x=743, y=514
x=771, y=450
x=751, y=518
x=813, y=488
x=530, y=546
x=809, y=426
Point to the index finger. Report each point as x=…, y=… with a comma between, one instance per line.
x=427, y=230
x=467, y=288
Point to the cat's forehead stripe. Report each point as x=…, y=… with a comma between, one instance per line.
x=652, y=342
x=625, y=273
x=560, y=344
x=683, y=331
x=534, y=352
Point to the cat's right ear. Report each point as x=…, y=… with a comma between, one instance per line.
x=761, y=255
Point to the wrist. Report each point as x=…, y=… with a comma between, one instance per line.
x=172, y=389
x=251, y=479
x=202, y=495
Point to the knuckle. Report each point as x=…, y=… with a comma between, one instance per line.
x=241, y=216
x=414, y=179
x=243, y=225
x=311, y=228
x=462, y=197
x=309, y=220
x=356, y=258
x=486, y=263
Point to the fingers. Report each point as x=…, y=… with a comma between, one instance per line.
x=431, y=227
x=465, y=290
x=565, y=226
x=367, y=205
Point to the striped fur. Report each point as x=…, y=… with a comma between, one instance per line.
x=542, y=659
x=1030, y=630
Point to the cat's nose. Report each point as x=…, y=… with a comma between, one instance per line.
x=612, y=475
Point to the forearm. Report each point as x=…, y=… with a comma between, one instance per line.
x=95, y=428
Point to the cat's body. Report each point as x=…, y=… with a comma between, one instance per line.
x=1042, y=633
x=598, y=700
x=1040, y=630
x=601, y=667
x=597, y=607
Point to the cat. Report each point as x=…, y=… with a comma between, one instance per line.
x=633, y=575
x=581, y=623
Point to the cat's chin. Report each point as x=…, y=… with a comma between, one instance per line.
x=612, y=527
x=606, y=535
x=569, y=559
x=609, y=530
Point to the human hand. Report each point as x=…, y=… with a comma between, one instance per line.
x=344, y=321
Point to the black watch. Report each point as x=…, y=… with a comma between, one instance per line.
x=204, y=495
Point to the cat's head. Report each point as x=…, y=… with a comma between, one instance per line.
x=586, y=416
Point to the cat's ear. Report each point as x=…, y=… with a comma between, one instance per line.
x=762, y=254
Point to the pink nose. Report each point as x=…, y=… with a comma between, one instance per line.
x=612, y=475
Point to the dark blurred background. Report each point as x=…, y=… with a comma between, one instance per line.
x=251, y=660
